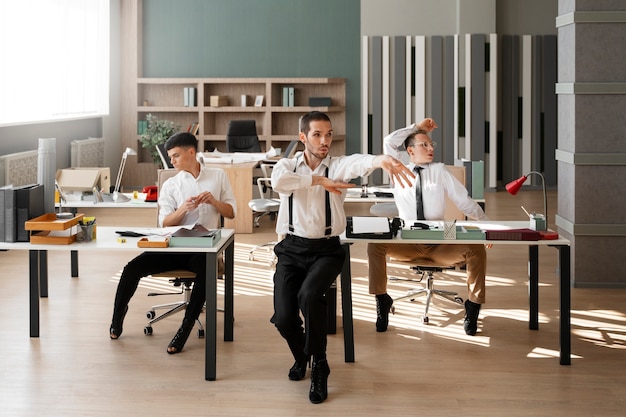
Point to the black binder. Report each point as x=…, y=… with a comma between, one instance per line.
x=29, y=203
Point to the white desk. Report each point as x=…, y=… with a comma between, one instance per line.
x=561, y=244
x=107, y=240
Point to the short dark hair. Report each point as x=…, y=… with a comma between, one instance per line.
x=183, y=140
x=411, y=138
x=312, y=116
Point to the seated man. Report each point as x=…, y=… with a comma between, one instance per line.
x=426, y=200
x=195, y=195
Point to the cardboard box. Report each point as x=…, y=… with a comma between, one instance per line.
x=84, y=178
x=218, y=101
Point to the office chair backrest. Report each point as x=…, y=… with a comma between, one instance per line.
x=291, y=148
x=452, y=212
x=242, y=136
x=162, y=176
x=165, y=159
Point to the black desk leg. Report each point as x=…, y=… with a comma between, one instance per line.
x=43, y=273
x=210, y=356
x=533, y=287
x=566, y=305
x=346, y=306
x=74, y=263
x=211, y=317
x=229, y=291
x=33, y=269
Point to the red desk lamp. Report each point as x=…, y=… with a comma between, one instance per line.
x=514, y=186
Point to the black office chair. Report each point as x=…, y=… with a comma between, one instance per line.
x=242, y=136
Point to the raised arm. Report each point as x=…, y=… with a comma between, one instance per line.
x=394, y=142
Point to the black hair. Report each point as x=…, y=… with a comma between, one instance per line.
x=183, y=140
x=312, y=116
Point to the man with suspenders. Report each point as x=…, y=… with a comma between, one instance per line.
x=312, y=191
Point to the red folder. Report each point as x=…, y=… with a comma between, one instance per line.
x=512, y=234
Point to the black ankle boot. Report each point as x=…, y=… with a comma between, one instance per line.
x=115, y=330
x=319, y=381
x=384, y=304
x=298, y=370
x=470, y=323
x=177, y=343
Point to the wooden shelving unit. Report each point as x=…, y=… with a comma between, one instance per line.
x=277, y=125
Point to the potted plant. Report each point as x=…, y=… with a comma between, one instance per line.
x=157, y=132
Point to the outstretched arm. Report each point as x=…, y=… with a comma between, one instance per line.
x=397, y=171
x=329, y=185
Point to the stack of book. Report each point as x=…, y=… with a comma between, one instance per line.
x=197, y=236
x=190, y=95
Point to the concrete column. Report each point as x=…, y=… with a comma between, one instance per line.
x=591, y=149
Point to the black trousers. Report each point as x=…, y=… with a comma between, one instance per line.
x=305, y=271
x=154, y=262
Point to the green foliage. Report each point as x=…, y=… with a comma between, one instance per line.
x=158, y=132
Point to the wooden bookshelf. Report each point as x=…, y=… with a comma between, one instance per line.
x=277, y=125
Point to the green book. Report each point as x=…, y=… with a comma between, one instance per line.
x=196, y=237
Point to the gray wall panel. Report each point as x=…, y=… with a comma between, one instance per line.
x=478, y=102
x=399, y=83
x=549, y=109
x=536, y=107
x=505, y=161
x=377, y=102
x=447, y=122
x=436, y=84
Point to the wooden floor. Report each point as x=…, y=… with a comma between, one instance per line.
x=74, y=369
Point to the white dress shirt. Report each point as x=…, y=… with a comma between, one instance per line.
x=309, y=210
x=437, y=181
x=177, y=189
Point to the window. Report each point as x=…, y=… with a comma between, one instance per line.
x=55, y=57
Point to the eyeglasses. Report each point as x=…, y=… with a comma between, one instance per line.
x=425, y=145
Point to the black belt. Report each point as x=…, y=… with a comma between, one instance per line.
x=317, y=240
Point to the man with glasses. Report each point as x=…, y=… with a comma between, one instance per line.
x=426, y=201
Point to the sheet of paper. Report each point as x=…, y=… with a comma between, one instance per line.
x=370, y=224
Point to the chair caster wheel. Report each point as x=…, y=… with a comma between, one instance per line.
x=251, y=257
x=147, y=331
x=425, y=320
x=150, y=314
x=458, y=300
x=201, y=334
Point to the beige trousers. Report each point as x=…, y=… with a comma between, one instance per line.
x=473, y=256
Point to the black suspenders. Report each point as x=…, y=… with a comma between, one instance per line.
x=328, y=228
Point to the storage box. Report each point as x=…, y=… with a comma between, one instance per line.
x=42, y=229
x=462, y=233
x=218, y=101
x=144, y=242
x=84, y=179
x=319, y=101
